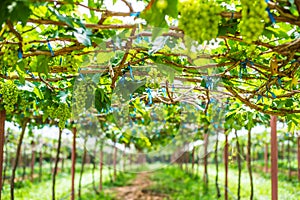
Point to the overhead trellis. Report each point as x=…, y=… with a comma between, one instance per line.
x=150, y=71
x=54, y=38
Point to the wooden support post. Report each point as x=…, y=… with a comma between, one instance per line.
x=2, y=138
x=274, y=158
x=266, y=157
x=101, y=168
x=226, y=166
x=115, y=163
x=73, y=164
x=298, y=139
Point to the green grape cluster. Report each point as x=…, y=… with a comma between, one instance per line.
x=161, y=4
x=79, y=98
x=254, y=16
x=199, y=19
x=23, y=103
x=9, y=94
x=10, y=56
x=62, y=113
x=71, y=63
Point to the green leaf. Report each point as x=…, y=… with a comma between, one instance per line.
x=105, y=57
x=91, y=4
x=294, y=9
x=20, y=12
x=167, y=71
x=45, y=116
x=172, y=10
x=289, y=103
x=203, y=83
x=20, y=70
x=154, y=17
x=42, y=64
x=62, y=18
x=38, y=93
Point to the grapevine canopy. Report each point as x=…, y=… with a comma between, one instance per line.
x=246, y=52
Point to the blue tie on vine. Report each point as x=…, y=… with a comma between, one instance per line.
x=31, y=74
x=135, y=14
x=50, y=48
x=164, y=92
x=114, y=46
x=279, y=81
x=20, y=54
x=260, y=97
x=270, y=14
x=148, y=90
x=243, y=67
x=268, y=91
x=130, y=71
x=211, y=100
x=81, y=76
x=133, y=114
x=122, y=80
x=208, y=82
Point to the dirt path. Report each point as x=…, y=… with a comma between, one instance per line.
x=137, y=190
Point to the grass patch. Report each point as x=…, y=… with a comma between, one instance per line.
x=26, y=190
x=180, y=185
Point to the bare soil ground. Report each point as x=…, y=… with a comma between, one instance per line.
x=138, y=190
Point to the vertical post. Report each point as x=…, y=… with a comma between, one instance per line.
x=115, y=163
x=217, y=166
x=226, y=166
x=2, y=137
x=193, y=159
x=73, y=164
x=249, y=166
x=56, y=163
x=205, y=161
x=298, y=139
x=274, y=158
x=101, y=167
x=124, y=158
x=266, y=157
x=288, y=159
x=32, y=160
x=41, y=164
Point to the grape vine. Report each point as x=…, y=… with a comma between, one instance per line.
x=254, y=16
x=71, y=63
x=9, y=94
x=83, y=96
x=62, y=113
x=200, y=19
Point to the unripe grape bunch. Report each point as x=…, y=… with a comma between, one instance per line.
x=62, y=113
x=199, y=19
x=254, y=16
x=10, y=56
x=71, y=63
x=79, y=98
x=162, y=4
x=9, y=94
